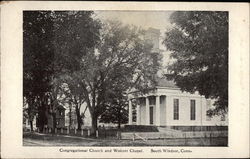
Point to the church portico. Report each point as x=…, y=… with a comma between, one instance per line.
x=149, y=110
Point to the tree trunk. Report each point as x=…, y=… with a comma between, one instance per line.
x=78, y=117
x=70, y=118
x=31, y=125
x=119, y=125
x=42, y=118
x=94, y=125
x=54, y=122
x=119, y=119
x=30, y=104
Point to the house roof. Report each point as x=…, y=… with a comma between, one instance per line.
x=61, y=107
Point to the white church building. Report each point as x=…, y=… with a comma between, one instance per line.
x=167, y=105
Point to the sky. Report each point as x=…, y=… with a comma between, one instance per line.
x=144, y=19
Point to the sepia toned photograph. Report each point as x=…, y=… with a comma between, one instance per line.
x=92, y=79
x=116, y=78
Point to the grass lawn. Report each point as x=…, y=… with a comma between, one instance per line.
x=36, y=139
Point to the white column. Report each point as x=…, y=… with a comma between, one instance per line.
x=138, y=114
x=129, y=112
x=166, y=108
x=157, y=111
x=147, y=112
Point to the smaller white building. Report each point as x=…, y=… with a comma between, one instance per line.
x=167, y=105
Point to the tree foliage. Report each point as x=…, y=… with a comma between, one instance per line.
x=121, y=61
x=76, y=34
x=116, y=110
x=37, y=57
x=54, y=42
x=198, y=43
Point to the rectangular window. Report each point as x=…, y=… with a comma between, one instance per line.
x=176, y=109
x=192, y=109
x=151, y=115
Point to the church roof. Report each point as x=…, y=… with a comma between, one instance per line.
x=153, y=30
x=162, y=82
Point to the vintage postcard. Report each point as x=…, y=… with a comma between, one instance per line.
x=124, y=79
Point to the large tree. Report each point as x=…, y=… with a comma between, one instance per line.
x=198, y=43
x=122, y=60
x=37, y=57
x=76, y=33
